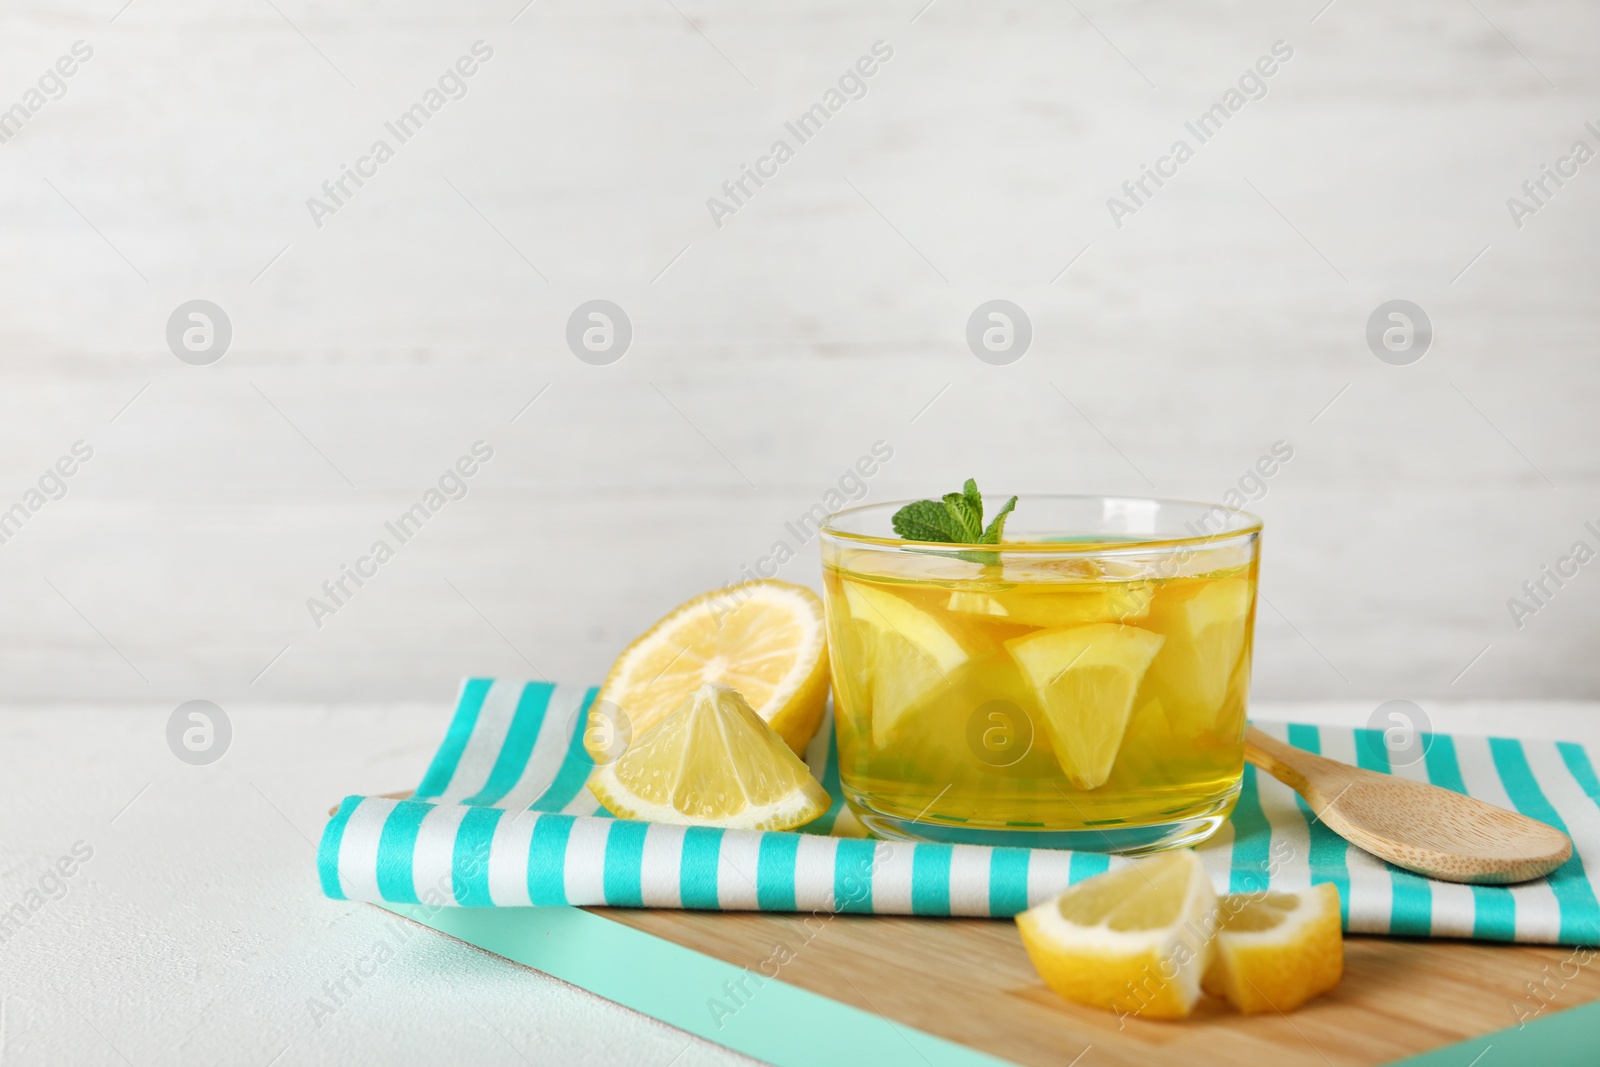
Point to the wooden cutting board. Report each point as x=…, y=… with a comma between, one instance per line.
x=969, y=981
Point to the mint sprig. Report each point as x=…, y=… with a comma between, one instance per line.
x=957, y=519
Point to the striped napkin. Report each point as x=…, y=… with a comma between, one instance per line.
x=502, y=818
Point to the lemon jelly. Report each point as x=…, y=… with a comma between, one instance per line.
x=1092, y=700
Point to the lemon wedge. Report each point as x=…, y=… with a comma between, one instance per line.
x=1206, y=626
x=1275, y=951
x=1132, y=940
x=1085, y=679
x=713, y=762
x=911, y=653
x=766, y=639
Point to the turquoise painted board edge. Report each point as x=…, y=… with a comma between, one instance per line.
x=779, y=1023
x=791, y=1027
x=1564, y=1039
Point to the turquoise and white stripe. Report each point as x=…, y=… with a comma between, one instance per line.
x=502, y=819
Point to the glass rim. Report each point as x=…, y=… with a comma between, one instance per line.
x=1251, y=524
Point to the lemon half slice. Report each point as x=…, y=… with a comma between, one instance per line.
x=1085, y=679
x=1275, y=951
x=713, y=762
x=766, y=639
x=1133, y=940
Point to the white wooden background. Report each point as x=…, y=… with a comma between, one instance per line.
x=768, y=354
x=803, y=330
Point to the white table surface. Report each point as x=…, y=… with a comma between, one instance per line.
x=198, y=933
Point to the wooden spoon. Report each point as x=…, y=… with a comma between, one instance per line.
x=1420, y=827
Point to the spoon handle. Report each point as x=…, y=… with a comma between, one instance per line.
x=1289, y=765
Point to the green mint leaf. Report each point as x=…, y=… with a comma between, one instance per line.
x=956, y=519
x=968, y=518
x=997, y=527
x=970, y=491
x=927, y=520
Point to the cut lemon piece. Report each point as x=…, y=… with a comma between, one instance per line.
x=1275, y=951
x=1062, y=604
x=1084, y=679
x=713, y=762
x=912, y=567
x=912, y=655
x=1133, y=940
x=1206, y=626
x=765, y=639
